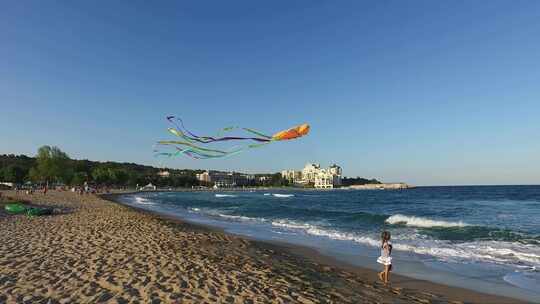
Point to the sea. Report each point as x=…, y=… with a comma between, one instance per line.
x=485, y=238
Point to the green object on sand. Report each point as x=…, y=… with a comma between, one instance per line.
x=15, y=208
x=39, y=211
x=18, y=208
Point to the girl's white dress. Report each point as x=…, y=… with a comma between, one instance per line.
x=385, y=257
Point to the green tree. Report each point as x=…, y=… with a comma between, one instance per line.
x=79, y=178
x=134, y=178
x=277, y=180
x=122, y=177
x=52, y=165
x=101, y=175
x=109, y=175
x=33, y=175
x=12, y=173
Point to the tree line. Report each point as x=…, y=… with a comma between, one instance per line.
x=52, y=165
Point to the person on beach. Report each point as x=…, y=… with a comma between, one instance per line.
x=385, y=259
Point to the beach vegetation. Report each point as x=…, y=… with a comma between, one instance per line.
x=12, y=173
x=350, y=181
x=79, y=178
x=52, y=165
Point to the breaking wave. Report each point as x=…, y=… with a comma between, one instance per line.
x=230, y=217
x=225, y=195
x=421, y=222
x=282, y=195
x=143, y=201
x=498, y=252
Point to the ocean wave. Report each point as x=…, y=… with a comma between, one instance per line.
x=504, y=253
x=239, y=217
x=461, y=232
x=363, y=217
x=219, y=214
x=143, y=201
x=498, y=252
x=344, y=236
x=290, y=224
x=414, y=221
x=282, y=195
x=479, y=233
x=318, y=231
x=225, y=195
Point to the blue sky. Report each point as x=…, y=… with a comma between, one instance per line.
x=426, y=92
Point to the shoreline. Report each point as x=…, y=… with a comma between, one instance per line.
x=447, y=291
x=95, y=249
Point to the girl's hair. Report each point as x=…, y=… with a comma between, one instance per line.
x=385, y=236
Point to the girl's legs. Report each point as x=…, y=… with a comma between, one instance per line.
x=386, y=273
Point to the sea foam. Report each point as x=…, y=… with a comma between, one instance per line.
x=225, y=195
x=218, y=214
x=421, y=222
x=282, y=195
x=143, y=201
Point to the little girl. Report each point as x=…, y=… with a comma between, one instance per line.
x=385, y=258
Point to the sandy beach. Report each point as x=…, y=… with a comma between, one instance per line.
x=93, y=250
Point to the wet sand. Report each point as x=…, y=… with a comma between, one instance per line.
x=97, y=251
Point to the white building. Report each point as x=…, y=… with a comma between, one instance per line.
x=310, y=172
x=148, y=187
x=324, y=180
x=292, y=176
x=328, y=178
x=314, y=174
x=336, y=173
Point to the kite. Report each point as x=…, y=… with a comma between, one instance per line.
x=191, y=144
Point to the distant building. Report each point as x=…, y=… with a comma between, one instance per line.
x=164, y=174
x=292, y=176
x=315, y=175
x=204, y=177
x=7, y=184
x=310, y=172
x=242, y=179
x=148, y=187
x=336, y=173
x=225, y=179
x=222, y=179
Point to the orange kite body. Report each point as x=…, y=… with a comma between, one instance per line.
x=292, y=133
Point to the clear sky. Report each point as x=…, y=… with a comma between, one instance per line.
x=426, y=92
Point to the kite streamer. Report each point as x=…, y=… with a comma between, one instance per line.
x=190, y=143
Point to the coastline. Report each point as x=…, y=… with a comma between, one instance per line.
x=454, y=293
x=96, y=249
